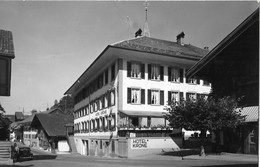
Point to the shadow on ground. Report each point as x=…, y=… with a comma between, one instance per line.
x=182, y=153
x=232, y=165
x=42, y=157
x=15, y=165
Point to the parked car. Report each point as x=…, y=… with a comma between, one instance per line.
x=24, y=153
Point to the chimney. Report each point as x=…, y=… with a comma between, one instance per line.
x=180, y=38
x=206, y=48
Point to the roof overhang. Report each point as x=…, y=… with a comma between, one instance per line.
x=143, y=114
x=111, y=53
x=202, y=68
x=251, y=113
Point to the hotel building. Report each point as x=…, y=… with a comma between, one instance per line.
x=120, y=98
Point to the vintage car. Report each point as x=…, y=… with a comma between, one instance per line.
x=24, y=153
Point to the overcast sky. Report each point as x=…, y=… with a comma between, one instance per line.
x=55, y=42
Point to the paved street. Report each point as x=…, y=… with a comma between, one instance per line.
x=43, y=159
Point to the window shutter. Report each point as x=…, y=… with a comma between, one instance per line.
x=161, y=97
x=142, y=71
x=103, y=101
x=109, y=99
x=128, y=95
x=114, y=92
x=142, y=96
x=149, y=71
x=161, y=73
x=181, y=96
x=169, y=73
x=181, y=75
x=198, y=81
x=149, y=96
x=198, y=95
x=187, y=96
x=128, y=69
x=106, y=77
x=169, y=97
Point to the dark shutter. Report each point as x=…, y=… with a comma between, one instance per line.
x=109, y=98
x=198, y=81
x=142, y=96
x=187, y=96
x=169, y=97
x=161, y=97
x=149, y=71
x=128, y=69
x=181, y=96
x=161, y=73
x=114, y=92
x=106, y=77
x=181, y=75
x=198, y=96
x=142, y=71
x=169, y=73
x=103, y=101
x=128, y=95
x=149, y=96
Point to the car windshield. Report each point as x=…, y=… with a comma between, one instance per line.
x=24, y=149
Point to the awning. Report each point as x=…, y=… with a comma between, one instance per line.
x=145, y=113
x=251, y=113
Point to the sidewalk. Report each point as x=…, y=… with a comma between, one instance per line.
x=224, y=157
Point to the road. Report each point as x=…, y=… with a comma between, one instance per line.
x=42, y=159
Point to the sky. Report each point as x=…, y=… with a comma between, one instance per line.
x=55, y=42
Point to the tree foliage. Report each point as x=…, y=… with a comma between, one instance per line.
x=205, y=114
x=66, y=104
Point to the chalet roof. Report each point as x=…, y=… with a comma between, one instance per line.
x=54, y=125
x=10, y=117
x=204, y=63
x=159, y=46
x=251, y=113
x=6, y=44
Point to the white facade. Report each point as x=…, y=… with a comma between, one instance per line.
x=135, y=98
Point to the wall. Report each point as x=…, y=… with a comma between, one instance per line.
x=143, y=146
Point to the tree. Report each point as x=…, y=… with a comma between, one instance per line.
x=34, y=111
x=204, y=114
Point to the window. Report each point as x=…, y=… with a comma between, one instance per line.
x=205, y=83
x=113, y=69
x=101, y=106
x=91, y=107
x=135, y=70
x=135, y=96
x=87, y=109
x=155, y=72
x=191, y=96
x=98, y=124
x=156, y=97
x=106, y=101
x=175, y=74
x=174, y=96
x=112, y=98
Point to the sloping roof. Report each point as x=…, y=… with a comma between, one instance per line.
x=19, y=116
x=54, y=125
x=50, y=111
x=6, y=44
x=247, y=23
x=10, y=117
x=153, y=46
x=159, y=46
x=251, y=113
